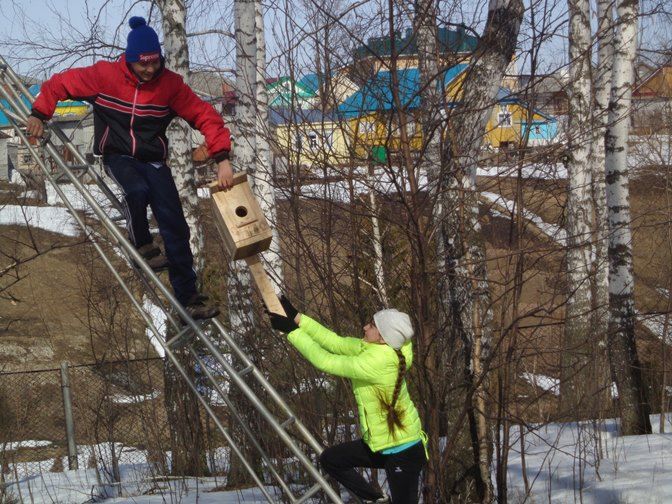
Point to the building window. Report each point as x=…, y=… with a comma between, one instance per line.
x=537, y=130
x=329, y=138
x=367, y=127
x=312, y=140
x=504, y=118
x=411, y=128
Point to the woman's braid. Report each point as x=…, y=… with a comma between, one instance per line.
x=394, y=415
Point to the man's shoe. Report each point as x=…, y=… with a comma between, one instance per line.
x=155, y=259
x=200, y=308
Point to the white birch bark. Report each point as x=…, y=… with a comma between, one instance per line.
x=263, y=183
x=625, y=364
x=240, y=285
x=464, y=287
x=377, y=241
x=600, y=268
x=187, y=439
x=176, y=52
x=579, y=213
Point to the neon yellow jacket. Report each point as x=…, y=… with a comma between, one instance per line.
x=373, y=370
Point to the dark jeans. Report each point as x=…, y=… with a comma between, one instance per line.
x=403, y=469
x=144, y=184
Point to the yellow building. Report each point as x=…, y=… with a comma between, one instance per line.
x=309, y=138
x=368, y=120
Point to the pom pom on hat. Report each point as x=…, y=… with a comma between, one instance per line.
x=136, y=21
x=143, y=42
x=394, y=326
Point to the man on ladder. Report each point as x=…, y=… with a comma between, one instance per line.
x=134, y=100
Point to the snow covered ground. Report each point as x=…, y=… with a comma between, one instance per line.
x=585, y=462
x=591, y=463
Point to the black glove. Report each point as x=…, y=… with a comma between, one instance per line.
x=288, y=307
x=282, y=323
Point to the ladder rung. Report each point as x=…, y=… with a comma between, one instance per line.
x=288, y=422
x=311, y=491
x=180, y=339
x=246, y=370
x=78, y=167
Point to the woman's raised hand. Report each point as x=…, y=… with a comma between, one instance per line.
x=289, y=308
x=281, y=323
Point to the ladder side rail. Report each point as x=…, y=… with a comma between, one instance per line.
x=261, y=408
x=6, y=69
x=144, y=315
x=14, y=97
x=53, y=127
x=241, y=421
x=303, y=430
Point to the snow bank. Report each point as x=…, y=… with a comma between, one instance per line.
x=589, y=462
x=554, y=232
x=54, y=219
x=544, y=382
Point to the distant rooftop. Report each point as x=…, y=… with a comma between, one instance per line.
x=376, y=95
x=450, y=41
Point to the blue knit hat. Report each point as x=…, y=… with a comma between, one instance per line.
x=143, y=42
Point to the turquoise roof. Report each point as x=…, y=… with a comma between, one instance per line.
x=311, y=81
x=451, y=41
x=376, y=94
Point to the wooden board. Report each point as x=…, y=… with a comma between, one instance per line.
x=264, y=285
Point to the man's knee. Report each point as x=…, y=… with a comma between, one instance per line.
x=136, y=194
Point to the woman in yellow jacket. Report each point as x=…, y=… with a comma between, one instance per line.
x=392, y=436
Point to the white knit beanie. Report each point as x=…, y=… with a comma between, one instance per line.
x=394, y=326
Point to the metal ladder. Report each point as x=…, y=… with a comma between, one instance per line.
x=187, y=335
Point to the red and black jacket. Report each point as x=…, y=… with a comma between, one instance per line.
x=131, y=116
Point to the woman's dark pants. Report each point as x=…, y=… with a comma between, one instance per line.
x=403, y=470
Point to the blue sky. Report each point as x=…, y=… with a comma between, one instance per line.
x=56, y=22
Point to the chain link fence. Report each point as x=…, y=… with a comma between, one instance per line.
x=108, y=417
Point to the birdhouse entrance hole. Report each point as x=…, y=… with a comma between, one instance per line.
x=241, y=211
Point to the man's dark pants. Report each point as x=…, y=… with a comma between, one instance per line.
x=145, y=184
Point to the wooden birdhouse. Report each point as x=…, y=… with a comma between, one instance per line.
x=239, y=219
x=245, y=232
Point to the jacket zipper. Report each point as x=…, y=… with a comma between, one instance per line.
x=135, y=99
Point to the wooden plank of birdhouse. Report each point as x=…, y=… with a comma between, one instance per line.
x=264, y=285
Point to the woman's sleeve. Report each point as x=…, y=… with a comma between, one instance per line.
x=328, y=339
x=347, y=366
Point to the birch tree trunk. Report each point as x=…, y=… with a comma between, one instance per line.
x=252, y=154
x=187, y=436
x=263, y=183
x=579, y=215
x=464, y=289
x=626, y=369
x=377, y=240
x=600, y=268
x=435, y=360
